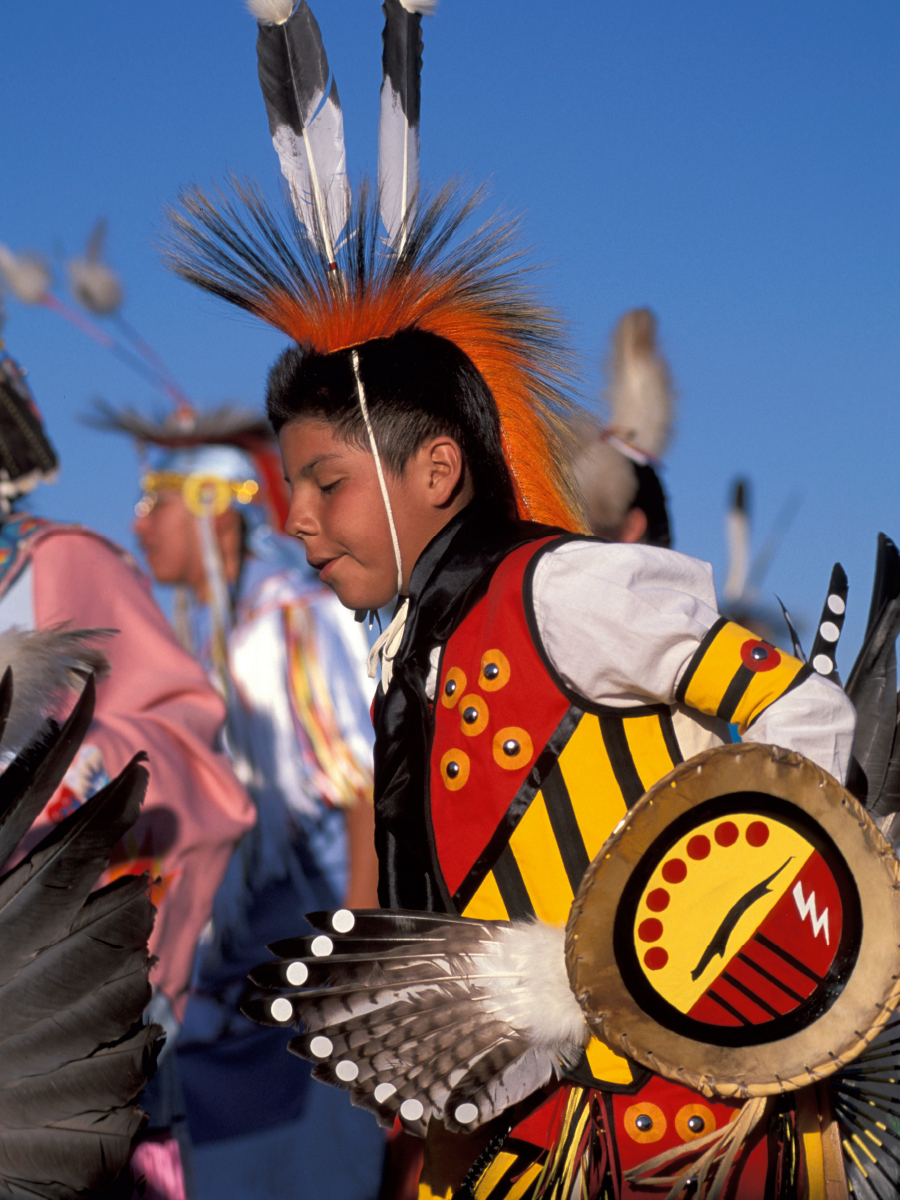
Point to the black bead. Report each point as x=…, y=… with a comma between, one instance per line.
x=511, y=748
x=470, y=715
x=643, y=1123
x=449, y=687
x=452, y=770
x=696, y=1124
x=491, y=671
x=760, y=653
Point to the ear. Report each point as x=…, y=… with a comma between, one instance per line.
x=443, y=467
x=634, y=527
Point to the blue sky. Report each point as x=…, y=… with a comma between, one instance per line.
x=733, y=166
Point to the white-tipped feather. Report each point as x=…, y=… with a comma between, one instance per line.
x=27, y=275
x=426, y=8
x=271, y=12
x=46, y=664
x=640, y=391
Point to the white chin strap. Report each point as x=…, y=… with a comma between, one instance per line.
x=388, y=643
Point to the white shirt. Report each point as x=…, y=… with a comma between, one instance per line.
x=620, y=623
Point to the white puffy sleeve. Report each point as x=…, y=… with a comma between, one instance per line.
x=623, y=625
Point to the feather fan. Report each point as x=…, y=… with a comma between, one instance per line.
x=398, y=128
x=73, y=977
x=469, y=288
x=422, y=1016
x=305, y=118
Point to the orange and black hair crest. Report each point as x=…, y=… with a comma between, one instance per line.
x=469, y=288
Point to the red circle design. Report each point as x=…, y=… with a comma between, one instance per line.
x=757, y=833
x=658, y=900
x=674, y=871
x=726, y=833
x=650, y=930
x=698, y=847
x=655, y=958
x=769, y=663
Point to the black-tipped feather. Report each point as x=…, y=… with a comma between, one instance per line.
x=398, y=128
x=306, y=122
x=823, y=657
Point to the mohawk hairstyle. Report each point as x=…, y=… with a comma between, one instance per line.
x=468, y=289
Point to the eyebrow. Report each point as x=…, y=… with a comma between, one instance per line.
x=308, y=468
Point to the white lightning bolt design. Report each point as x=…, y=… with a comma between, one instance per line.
x=806, y=906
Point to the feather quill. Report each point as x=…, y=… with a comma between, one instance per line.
x=398, y=127
x=305, y=121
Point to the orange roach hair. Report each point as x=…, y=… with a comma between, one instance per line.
x=469, y=289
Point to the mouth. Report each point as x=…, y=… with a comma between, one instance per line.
x=324, y=565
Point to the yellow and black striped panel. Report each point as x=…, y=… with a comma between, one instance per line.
x=607, y=764
x=735, y=676
x=511, y=1174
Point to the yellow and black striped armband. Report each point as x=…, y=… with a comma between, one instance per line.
x=736, y=676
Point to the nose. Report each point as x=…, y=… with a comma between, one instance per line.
x=302, y=521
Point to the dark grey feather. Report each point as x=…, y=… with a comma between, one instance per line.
x=872, y=684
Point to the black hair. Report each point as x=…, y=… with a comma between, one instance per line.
x=417, y=385
x=651, y=497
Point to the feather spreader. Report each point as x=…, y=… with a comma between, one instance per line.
x=305, y=121
x=422, y=1016
x=73, y=978
x=467, y=287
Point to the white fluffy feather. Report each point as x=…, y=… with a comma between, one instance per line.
x=426, y=7
x=46, y=665
x=640, y=392
x=27, y=275
x=530, y=984
x=607, y=483
x=272, y=12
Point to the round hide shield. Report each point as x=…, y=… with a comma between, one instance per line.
x=739, y=932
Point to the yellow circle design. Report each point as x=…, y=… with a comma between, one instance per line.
x=510, y=759
x=495, y=679
x=685, y=1113
x=206, y=496
x=471, y=728
x=657, y=1117
x=457, y=679
x=460, y=760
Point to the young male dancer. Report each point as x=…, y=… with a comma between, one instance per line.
x=535, y=681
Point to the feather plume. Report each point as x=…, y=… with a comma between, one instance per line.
x=426, y=8
x=420, y=1016
x=48, y=664
x=640, y=389
x=27, y=275
x=737, y=535
x=306, y=122
x=73, y=978
x=398, y=128
x=823, y=655
x=467, y=288
x=94, y=284
x=273, y=12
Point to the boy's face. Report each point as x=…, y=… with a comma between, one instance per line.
x=337, y=509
